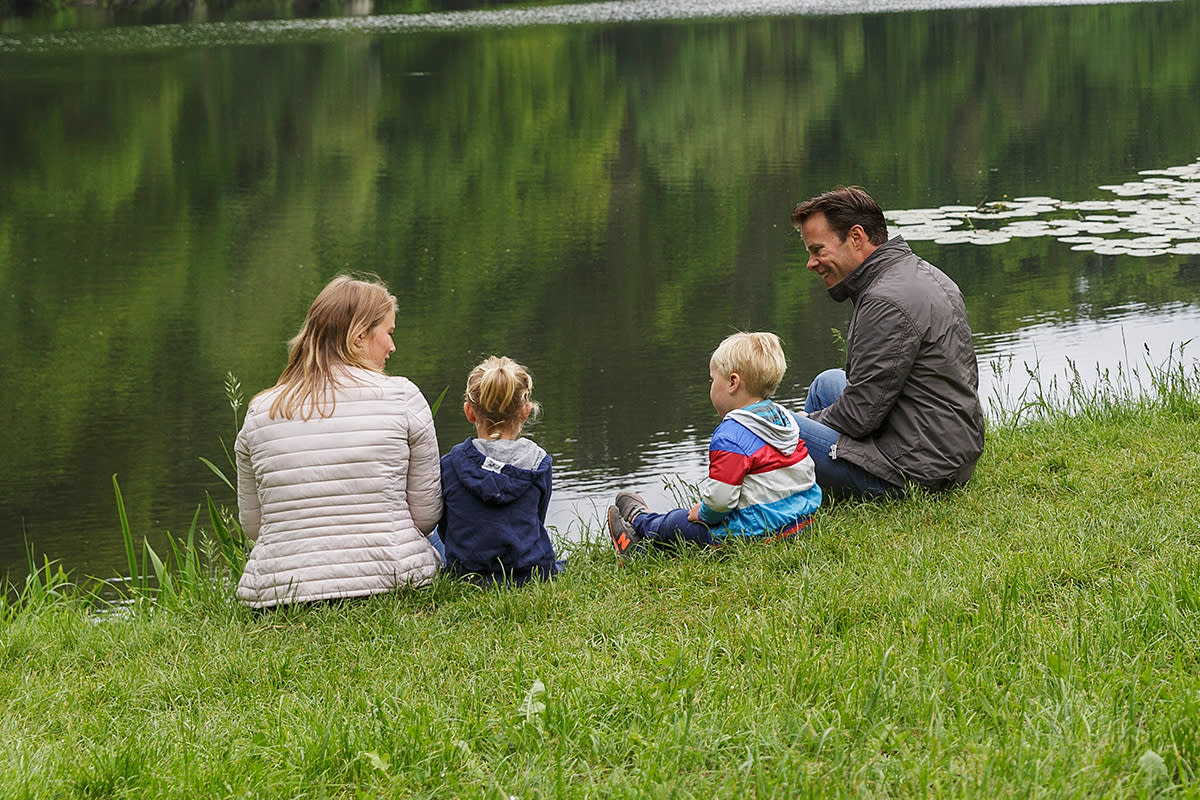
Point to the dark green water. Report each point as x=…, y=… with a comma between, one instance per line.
x=603, y=201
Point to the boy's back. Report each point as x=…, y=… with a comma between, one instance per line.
x=761, y=480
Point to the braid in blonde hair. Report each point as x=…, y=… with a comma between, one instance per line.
x=498, y=390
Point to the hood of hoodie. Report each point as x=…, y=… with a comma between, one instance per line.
x=770, y=422
x=494, y=476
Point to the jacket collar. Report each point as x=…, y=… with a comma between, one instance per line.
x=857, y=282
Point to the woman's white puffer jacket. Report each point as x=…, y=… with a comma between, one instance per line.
x=339, y=506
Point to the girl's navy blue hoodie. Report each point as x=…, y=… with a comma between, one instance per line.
x=494, y=522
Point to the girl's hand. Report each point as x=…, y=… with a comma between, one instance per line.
x=694, y=513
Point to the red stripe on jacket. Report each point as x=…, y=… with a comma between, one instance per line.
x=730, y=468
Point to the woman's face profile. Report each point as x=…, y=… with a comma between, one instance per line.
x=377, y=343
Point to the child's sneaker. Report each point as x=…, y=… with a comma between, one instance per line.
x=631, y=505
x=624, y=537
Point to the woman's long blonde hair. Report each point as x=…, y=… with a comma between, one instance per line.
x=345, y=310
x=498, y=390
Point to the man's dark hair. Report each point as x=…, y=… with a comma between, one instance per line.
x=845, y=207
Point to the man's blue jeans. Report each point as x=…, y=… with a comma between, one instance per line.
x=837, y=477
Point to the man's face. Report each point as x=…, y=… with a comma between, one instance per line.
x=829, y=256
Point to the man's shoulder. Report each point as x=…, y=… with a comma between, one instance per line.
x=908, y=278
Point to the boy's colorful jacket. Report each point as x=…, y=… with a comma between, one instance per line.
x=493, y=524
x=761, y=479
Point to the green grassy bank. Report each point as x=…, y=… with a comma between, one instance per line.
x=1034, y=635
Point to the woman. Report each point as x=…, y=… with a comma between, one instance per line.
x=338, y=474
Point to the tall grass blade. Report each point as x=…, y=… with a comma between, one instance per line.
x=217, y=470
x=189, y=565
x=228, y=455
x=34, y=588
x=126, y=536
x=230, y=539
x=166, y=584
x=433, y=409
x=44, y=584
x=186, y=559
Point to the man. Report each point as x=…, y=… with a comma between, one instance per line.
x=906, y=408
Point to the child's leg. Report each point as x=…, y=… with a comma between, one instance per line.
x=439, y=546
x=672, y=527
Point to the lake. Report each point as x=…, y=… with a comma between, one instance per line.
x=601, y=191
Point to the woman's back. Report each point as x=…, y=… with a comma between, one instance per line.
x=339, y=505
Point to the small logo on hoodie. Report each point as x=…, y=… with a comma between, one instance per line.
x=492, y=465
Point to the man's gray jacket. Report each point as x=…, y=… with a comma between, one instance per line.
x=910, y=410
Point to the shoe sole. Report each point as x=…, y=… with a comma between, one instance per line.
x=621, y=540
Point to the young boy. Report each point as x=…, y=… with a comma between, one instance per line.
x=761, y=481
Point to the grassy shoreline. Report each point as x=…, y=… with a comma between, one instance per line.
x=1036, y=634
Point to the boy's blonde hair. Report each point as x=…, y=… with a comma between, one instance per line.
x=498, y=390
x=757, y=357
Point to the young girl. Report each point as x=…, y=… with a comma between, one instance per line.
x=496, y=487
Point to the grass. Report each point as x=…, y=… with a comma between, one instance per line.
x=1035, y=635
